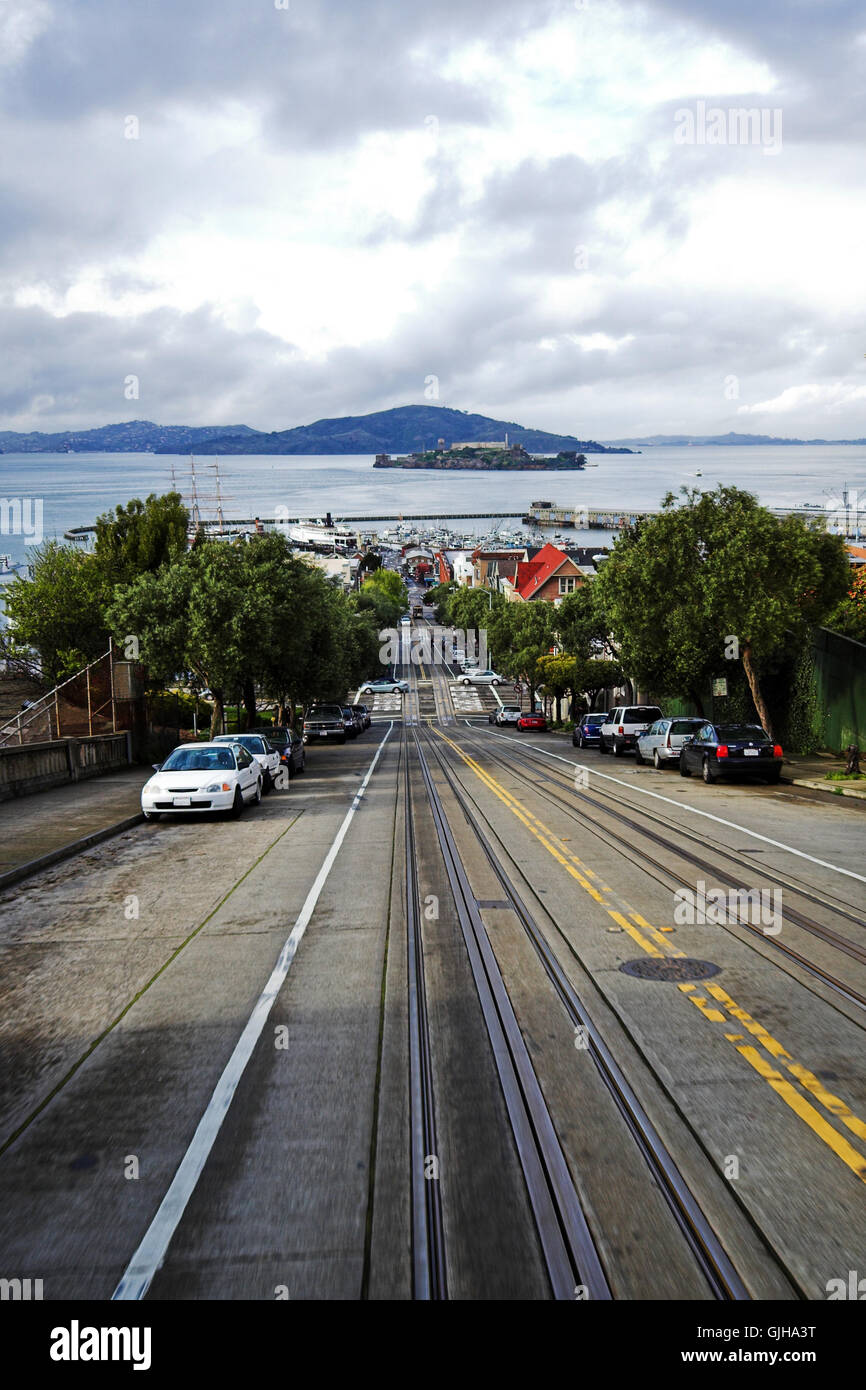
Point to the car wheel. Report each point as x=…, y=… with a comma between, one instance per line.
x=237, y=804
x=268, y=782
x=257, y=794
x=638, y=756
x=708, y=776
x=684, y=771
x=494, y=682
x=617, y=749
x=155, y=815
x=464, y=680
x=342, y=739
x=657, y=762
x=602, y=746
x=775, y=777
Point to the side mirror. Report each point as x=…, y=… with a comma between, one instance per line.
x=156, y=766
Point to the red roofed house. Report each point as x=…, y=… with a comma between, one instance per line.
x=550, y=576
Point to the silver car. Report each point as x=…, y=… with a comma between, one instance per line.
x=471, y=677
x=660, y=744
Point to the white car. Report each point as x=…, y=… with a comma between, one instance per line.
x=202, y=777
x=508, y=714
x=267, y=757
x=386, y=685
x=480, y=678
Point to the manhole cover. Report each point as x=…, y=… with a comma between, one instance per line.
x=675, y=969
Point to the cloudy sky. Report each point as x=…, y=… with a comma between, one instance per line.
x=268, y=211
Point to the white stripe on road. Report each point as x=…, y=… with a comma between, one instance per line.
x=150, y=1254
x=741, y=829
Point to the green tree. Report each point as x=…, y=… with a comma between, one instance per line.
x=849, y=615
x=141, y=537
x=520, y=634
x=557, y=674
x=390, y=584
x=592, y=676
x=60, y=610
x=717, y=576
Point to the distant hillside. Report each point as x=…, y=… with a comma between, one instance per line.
x=405, y=429
x=133, y=436
x=673, y=440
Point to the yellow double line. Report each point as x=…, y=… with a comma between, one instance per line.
x=654, y=943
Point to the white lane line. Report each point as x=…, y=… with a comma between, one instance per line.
x=150, y=1254
x=693, y=810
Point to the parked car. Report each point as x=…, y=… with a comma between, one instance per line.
x=202, y=777
x=662, y=741
x=508, y=714
x=324, y=722
x=289, y=745
x=619, y=732
x=532, y=719
x=385, y=685
x=729, y=750
x=471, y=677
x=364, y=714
x=351, y=722
x=587, y=731
x=264, y=752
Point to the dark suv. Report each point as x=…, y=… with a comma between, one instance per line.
x=290, y=745
x=324, y=723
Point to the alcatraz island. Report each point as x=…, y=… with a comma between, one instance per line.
x=494, y=456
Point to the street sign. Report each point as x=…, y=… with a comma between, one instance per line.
x=720, y=685
x=518, y=689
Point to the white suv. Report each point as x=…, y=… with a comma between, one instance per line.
x=624, y=724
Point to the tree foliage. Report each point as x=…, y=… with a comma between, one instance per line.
x=718, y=576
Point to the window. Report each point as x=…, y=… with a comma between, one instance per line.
x=566, y=583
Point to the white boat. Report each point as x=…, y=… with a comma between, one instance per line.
x=321, y=536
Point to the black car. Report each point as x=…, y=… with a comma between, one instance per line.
x=587, y=732
x=731, y=750
x=363, y=714
x=293, y=756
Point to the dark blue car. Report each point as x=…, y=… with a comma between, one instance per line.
x=730, y=750
x=587, y=733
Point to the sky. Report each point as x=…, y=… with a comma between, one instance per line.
x=270, y=211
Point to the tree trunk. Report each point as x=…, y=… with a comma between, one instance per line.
x=250, y=704
x=698, y=701
x=216, y=719
x=755, y=687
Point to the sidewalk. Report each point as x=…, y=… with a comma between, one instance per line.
x=41, y=829
x=811, y=770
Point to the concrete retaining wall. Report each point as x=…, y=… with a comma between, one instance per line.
x=33, y=767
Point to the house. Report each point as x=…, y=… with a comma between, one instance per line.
x=550, y=575
x=491, y=565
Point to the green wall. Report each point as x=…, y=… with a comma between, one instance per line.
x=840, y=684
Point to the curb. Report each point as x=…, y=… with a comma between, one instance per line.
x=56, y=856
x=831, y=791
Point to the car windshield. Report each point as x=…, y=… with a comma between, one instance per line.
x=685, y=726
x=199, y=760
x=736, y=733
x=248, y=741
x=278, y=737
x=325, y=712
x=641, y=714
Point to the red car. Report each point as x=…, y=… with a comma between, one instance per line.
x=532, y=721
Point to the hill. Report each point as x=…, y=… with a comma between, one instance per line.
x=404, y=429
x=674, y=440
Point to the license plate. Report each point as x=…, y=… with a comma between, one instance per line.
x=322, y=733
x=181, y=801
x=751, y=752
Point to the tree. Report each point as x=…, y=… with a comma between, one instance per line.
x=390, y=584
x=521, y=633
x=141, y=537
x=582, y=625
x=557, y=673
x=717, y=577
x=592, y=676
x=849, y=616
x=60, y=610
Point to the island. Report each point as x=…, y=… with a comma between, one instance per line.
x=494, y=457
